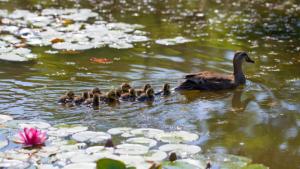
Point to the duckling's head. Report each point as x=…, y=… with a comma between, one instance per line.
x=147, y=86
x=132, y=92
x=166, y=87
x=112, y=94
x=125, y=87
x=241, y=56
x=70, y=94
x=150, y=92
x=96, y=90
x=85, y=95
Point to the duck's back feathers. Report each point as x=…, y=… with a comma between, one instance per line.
x=207, y=81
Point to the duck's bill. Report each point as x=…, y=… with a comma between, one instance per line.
x=249, y=60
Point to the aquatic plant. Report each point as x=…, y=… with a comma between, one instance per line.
x=31, y=137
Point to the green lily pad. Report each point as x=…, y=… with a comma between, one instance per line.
x=146, y=132
x=107, y=163
x=118, y=130
x=177, y=137
x=131, y=149
x=91, y=136
x=178, y=165
x=143, y=141
x=181, y=149
x=81, y=166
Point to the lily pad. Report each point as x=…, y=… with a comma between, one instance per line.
x=177, y=137
x=81, y=166
x=35, y=124
x=118, y=130
x=143, y=141
x=3, y=143
x=174, y=41
x=110, y=164
x=131, y=149
x=67, y=131
x=91, y=136
x=5, y=118
x=155, y=155
x=181, y=149
x=13, y=164
x=179, y=165
x=147, y=132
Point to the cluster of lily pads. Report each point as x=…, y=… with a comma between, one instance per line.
x=65, y=29
x=74, y=146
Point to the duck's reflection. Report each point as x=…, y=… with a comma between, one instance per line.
x=238, y=104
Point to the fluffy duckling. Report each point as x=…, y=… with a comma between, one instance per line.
x=125, y=87
x=214, y=81
x=95, y=90
x=110, y=97
x=119, y=92
x=94, y=101
x=68, y=97
x=80, y=99
x=129, y=96
x=147, y=97
x=166, y=90
x=143, y=90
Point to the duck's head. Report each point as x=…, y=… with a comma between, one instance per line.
x=125, y=87
x=70, y=94
x=146, y=86
x=85, y=95
x=132, y=92
x=241, y=56
x=166, y=87
x=150, y=92
x=96, y=90
x=112, y=94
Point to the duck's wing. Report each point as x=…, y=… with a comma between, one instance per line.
x=207, y=81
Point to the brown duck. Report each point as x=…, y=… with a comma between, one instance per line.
x=214, y=81
x=166, y=90
x=110, y=97
x=147, y=97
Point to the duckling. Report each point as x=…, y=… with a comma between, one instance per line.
x=95, y=90
x=110, y=97
x=68, y=97
x=125, y=87
x=143, y=90
x=80, y=99
x=214, y=81
x=147, y=97
x=119, y=92
x=129, y=96
x=94, y=101
x=165, y=90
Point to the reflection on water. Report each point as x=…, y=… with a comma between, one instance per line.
x=259, y=120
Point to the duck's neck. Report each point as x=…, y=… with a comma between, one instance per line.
x=239, y=77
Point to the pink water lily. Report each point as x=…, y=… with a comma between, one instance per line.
x=31, y=137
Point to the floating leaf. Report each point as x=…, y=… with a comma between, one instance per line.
x=110, y=164
x=155, y=155
x=101, y=60
x=81, y=166
x=57, y=40
x=131, y=149
x=5, y=118
x=181, y=149
x=174, y=41
x=177, y=137
x=91, y=136
x=178, y=165
x=142, y=140
x=118, y=130
x=147, y=132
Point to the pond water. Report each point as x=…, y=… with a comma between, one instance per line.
x=259, y=120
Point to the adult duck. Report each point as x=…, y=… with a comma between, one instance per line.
x=214, y=81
